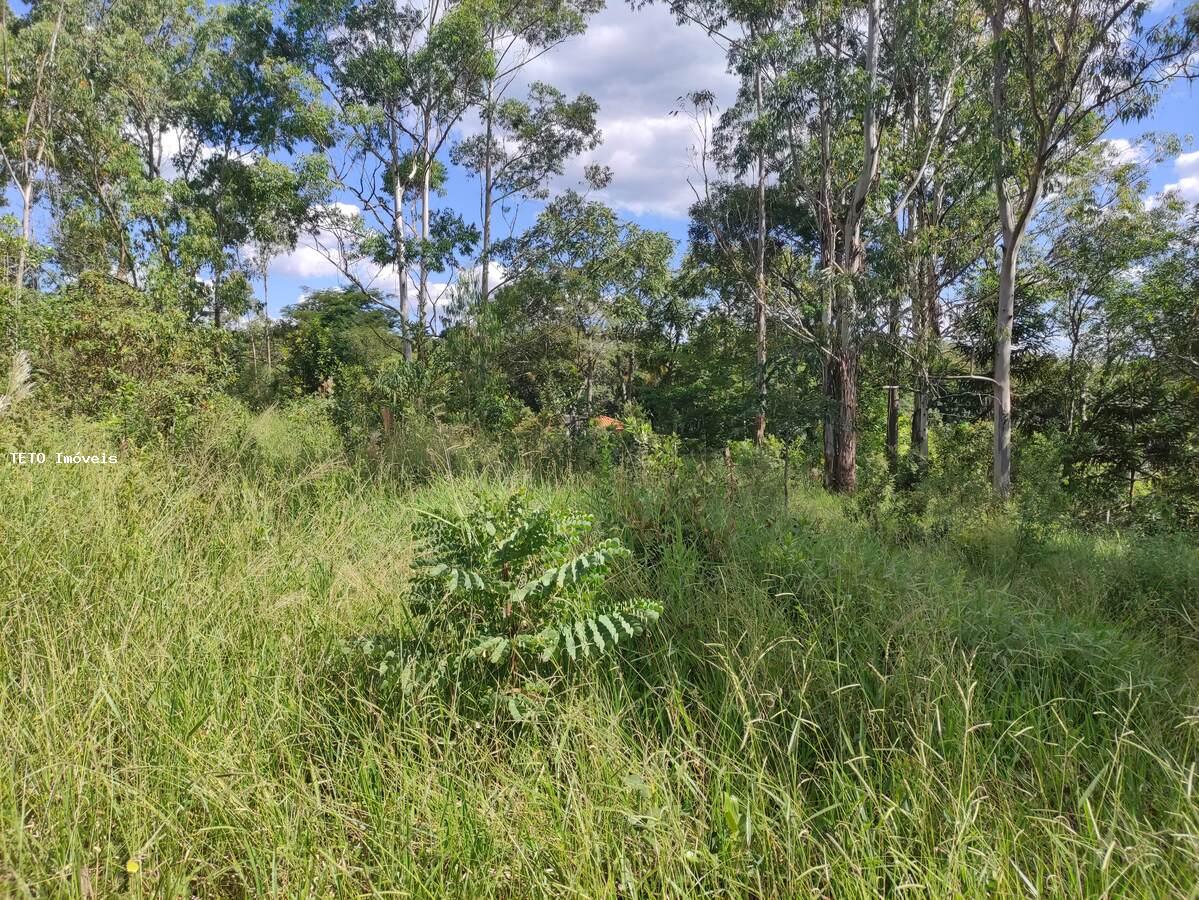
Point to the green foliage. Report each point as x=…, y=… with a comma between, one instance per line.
x=821, y=706
x=920, y=688
x=514, y=589
x=104, y=350
x=333, y=329
x=531, y=141
x=587, y=281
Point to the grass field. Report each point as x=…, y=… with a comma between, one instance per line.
x=820, y=711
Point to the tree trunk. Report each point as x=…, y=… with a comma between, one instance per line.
x=920, y=424
x=266, y=315
x=1132, y=463
x=845, y=352
x=218, y=275
x=488, y=190
x=893, y=335
x=397, y=235
x=26, y=236
x=844, y=365
x=1076, y=314
x=626, y=376
x=1012, y=227
x=828, y=263
x=924, y=325
x=892, y=447
x=919, y=433
x=829, y=422
x=1001, y=475
x=588, y=392
x=423, y=297
x=760, y=290
x=31, y=163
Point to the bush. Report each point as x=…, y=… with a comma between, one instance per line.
x=103, y=350
x=511, y=593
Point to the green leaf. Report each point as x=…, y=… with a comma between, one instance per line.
x=500, y=651
x=596, y=636
x=549, y=640
x=583, y=642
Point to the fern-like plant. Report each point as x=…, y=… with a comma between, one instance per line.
x=516, y=591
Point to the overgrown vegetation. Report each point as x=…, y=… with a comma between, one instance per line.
x=840, y=543
x=821, y=708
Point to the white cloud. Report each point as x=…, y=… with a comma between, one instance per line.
x=173, y=141
x=1187, y=188
x=1187, y=162
x=651, y=159
x=1121, y=151
x=1187, y=185
x=637, y=64
x=305, y=261
x=316, y=255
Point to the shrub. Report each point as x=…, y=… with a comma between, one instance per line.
x=104, y=350
x=506, y=595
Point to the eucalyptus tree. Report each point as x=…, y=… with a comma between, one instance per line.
x=755, y=129
x=744, y=142
x=815, y=97
x=31, y=57
x=448, y=69
x=168, y=116
x=399, y=77
x=125, y=160
x=248, y=103
x=1061, y=72
x=933, y=174
x=117, y=87
x=723, y=262
x=522, y=143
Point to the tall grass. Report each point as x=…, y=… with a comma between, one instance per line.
x=19, y=385
x=821, y=711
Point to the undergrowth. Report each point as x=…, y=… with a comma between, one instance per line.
x=822, y=709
